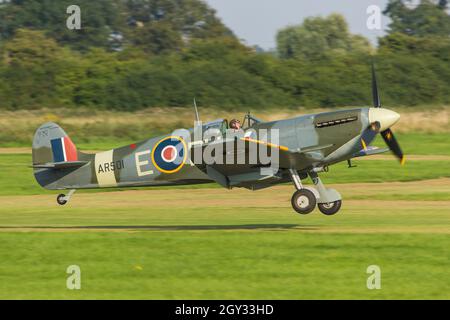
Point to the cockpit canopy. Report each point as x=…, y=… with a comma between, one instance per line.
x=222, y=124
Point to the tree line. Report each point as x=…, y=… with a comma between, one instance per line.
x=133, y=54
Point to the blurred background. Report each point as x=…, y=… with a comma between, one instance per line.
x=133, y=54
x=152, y=57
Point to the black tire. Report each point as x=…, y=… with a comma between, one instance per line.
x=303, y=201
x=331, y=208
x=60, y=199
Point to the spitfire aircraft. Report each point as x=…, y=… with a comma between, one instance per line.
x=307, y=145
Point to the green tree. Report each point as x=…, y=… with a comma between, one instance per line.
x=317, y=37
x=166, y=25
x=99, y=19
x=33, y=62
x=166, y=52
x=158, y=26
x=157, y=38
x=438, y=47
x=428, y=18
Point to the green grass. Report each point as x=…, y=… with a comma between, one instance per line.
x=420, y=143
x=191, y=265
x=423, y=195
x=387, y=170
x=189, y=249
x=244, y=253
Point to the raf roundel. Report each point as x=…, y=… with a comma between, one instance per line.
x=169, y=154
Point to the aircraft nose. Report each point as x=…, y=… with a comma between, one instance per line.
x=387, y=118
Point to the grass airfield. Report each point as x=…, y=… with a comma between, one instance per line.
x=211, y=243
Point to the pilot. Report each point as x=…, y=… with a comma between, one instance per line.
x=235, y=124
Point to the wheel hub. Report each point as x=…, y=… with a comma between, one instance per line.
x=328, y=205
x=303, y=202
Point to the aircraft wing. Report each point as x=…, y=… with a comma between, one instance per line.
x=288, y=159
x=231, y=174
x=370, y=151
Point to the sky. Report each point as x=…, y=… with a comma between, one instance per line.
x=257, y=21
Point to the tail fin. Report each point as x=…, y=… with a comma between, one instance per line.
x=55, y=156
x=51, y=144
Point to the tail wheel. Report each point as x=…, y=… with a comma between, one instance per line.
x=330, y=208
x=303, y=201
x=61, y=199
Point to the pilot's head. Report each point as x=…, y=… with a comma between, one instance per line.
x=235, y=124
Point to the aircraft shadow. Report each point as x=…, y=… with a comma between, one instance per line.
x=267, y=227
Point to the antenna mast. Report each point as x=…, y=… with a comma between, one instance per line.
x=197, y=118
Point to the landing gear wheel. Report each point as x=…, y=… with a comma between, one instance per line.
x=330, y=208
x=61, y=199
x=303, y=201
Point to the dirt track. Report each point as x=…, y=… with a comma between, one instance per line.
x=234, y=198
x=141, y=204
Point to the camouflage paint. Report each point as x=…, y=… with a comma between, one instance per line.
x=308, y=146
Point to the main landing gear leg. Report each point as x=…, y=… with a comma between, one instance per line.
x=62, y=199
x=303, y=200
x=330, y=200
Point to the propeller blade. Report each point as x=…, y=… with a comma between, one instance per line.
x=369, y=134
x=375, y=94
x=392, y=143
